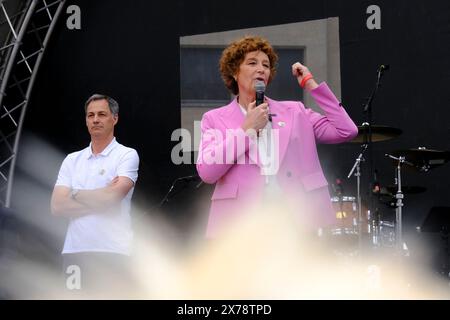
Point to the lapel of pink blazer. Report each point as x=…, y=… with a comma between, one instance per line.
x=233, y=118
x=282, y=121
x=232, y=115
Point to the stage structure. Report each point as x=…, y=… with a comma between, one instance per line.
x=26, y=27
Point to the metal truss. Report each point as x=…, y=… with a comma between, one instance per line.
x=26, y=27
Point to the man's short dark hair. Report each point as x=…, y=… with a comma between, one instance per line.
x=113, y=105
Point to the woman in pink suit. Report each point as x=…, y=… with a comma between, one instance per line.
x=268, y=151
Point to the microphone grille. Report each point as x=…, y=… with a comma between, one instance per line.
x=260, y=86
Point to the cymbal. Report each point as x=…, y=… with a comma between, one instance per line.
x=379, y=133
x=387, y=194
x=392, y=190
x=423, y=159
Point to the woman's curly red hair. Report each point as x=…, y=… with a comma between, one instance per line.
x=234, y=55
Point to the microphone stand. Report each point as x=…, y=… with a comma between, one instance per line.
x=168, y=194
x=368, y=134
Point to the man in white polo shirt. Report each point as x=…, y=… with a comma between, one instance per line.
x=94, y=189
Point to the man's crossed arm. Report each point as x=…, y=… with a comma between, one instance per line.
x=66, y=204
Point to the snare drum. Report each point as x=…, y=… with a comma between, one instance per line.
x=346, y=215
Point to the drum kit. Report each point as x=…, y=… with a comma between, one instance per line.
x=354, y=220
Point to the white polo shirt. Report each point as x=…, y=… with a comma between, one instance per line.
x=102, y=231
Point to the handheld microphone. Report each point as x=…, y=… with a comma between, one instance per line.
x=260, y=88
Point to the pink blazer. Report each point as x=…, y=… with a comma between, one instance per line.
x=299, y=174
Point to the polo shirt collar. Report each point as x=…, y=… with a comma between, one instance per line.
x=105, y=151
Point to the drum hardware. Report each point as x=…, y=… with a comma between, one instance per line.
x=399, y=203
x=422, y=159
x=379, y=133
x=391, y=189
x=366, y=137
x=357, y=167
x=386, y=195
x=386, y=234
